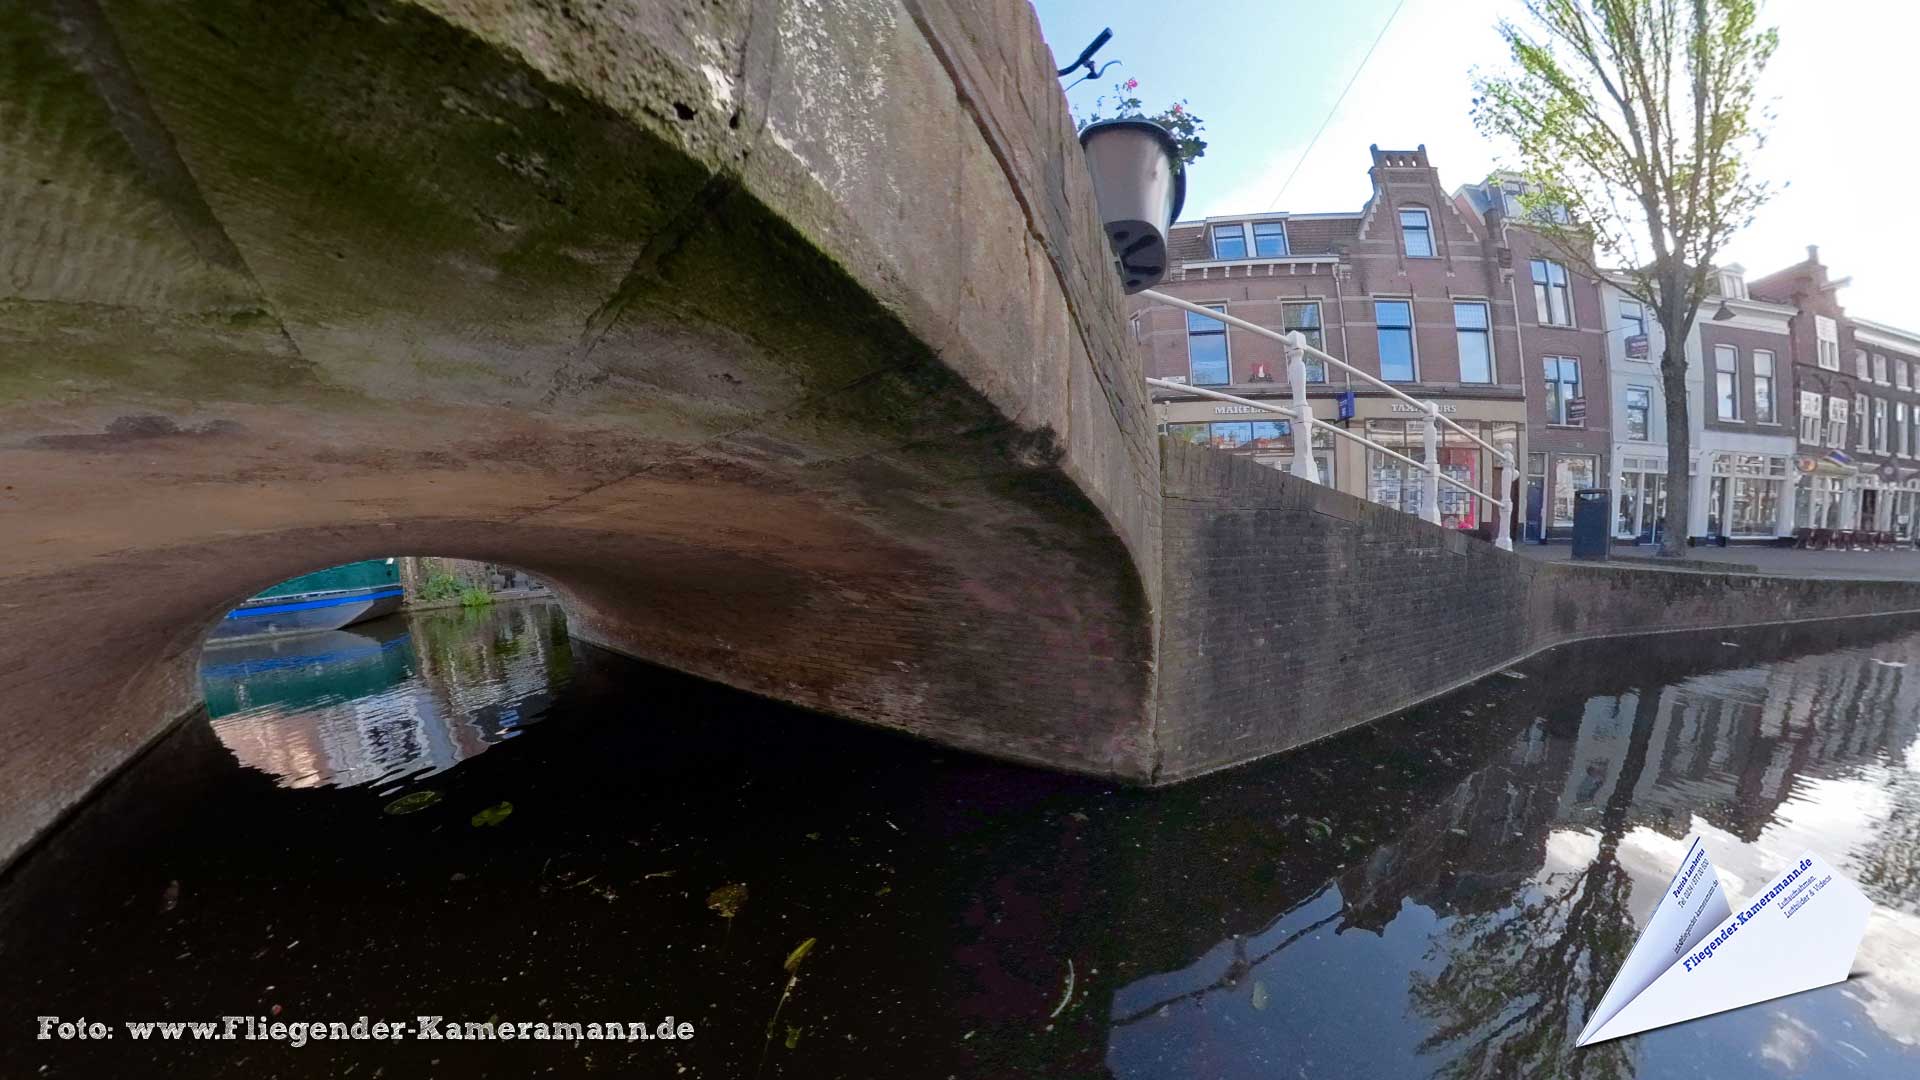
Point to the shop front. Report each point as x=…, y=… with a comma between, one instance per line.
x=1886, y=505
x=1362, y=471
x=1820, y=496
x=1748, y=496
x=1640, y=496
x=1400, y=428
x=1265, y=437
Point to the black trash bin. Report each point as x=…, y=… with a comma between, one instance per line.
x=1591, y=508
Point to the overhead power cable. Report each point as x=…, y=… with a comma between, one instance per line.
x=1336, y=104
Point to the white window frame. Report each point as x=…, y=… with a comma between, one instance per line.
x=1900, y=428
x=1543, y=292
x=1861, y=369
x=1426, y=226
x=1826, y=334
x=1880, y=370
x=1837, y=408
x=1731, y=370
x=1813, y=409
x=1902, y=375
x=1880, y=440
x=1773, y=387
x=1861, y=432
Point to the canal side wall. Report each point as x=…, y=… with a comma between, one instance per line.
x=1293, y=611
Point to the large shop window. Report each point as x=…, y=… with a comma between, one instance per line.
x=1391, y=482
x=1817, y=501
x=1570, y=473
x=1476, y=347
x=1643, y=498
x=1744, y=496
x=1304, y=316
x=1563, y=385
x=1207, y=363
x=1395, y=321
x=1269, y=442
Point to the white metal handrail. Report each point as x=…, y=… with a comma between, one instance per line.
x=1301, y=414
x=1328, y=426
x=1326, y=357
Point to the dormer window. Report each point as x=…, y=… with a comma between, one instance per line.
x=1230, y=241
x=1416, y=232
x=1733, y=284
x=1269, y=239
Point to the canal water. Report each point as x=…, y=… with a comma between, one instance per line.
x=590, y=839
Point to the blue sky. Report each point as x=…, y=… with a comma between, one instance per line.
x=1263, y=76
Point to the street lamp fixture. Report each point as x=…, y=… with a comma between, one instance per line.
x=1140, y=186
x=1724, y=313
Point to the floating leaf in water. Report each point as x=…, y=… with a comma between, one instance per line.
x=728, y=899
x=793, y=1036
x=492, y=815
x=1318, y=828
x=798, y=954
x=412, y=802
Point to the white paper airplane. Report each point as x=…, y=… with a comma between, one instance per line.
x=1699, y=956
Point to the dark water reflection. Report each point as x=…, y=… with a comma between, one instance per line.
x=1442, y=894
x=397, y=697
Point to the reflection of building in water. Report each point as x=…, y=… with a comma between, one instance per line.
x=395, y=697
x=1520, y=889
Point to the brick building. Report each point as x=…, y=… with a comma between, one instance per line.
x=1562, y=332
x=1742, y=466
x=1857, y=392
x=1414, y=288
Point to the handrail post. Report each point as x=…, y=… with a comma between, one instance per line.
x=1503, y=525
x=1430, y=435
x=1304, y=466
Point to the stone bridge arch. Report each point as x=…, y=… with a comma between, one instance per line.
x=778, y=336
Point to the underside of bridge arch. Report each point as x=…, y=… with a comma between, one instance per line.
x=760, y=329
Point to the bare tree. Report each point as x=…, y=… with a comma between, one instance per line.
x=1637, y=120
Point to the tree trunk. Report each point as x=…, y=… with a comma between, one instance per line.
x=1673, y=385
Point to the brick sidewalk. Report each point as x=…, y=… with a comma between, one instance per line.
x=1900, y=564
